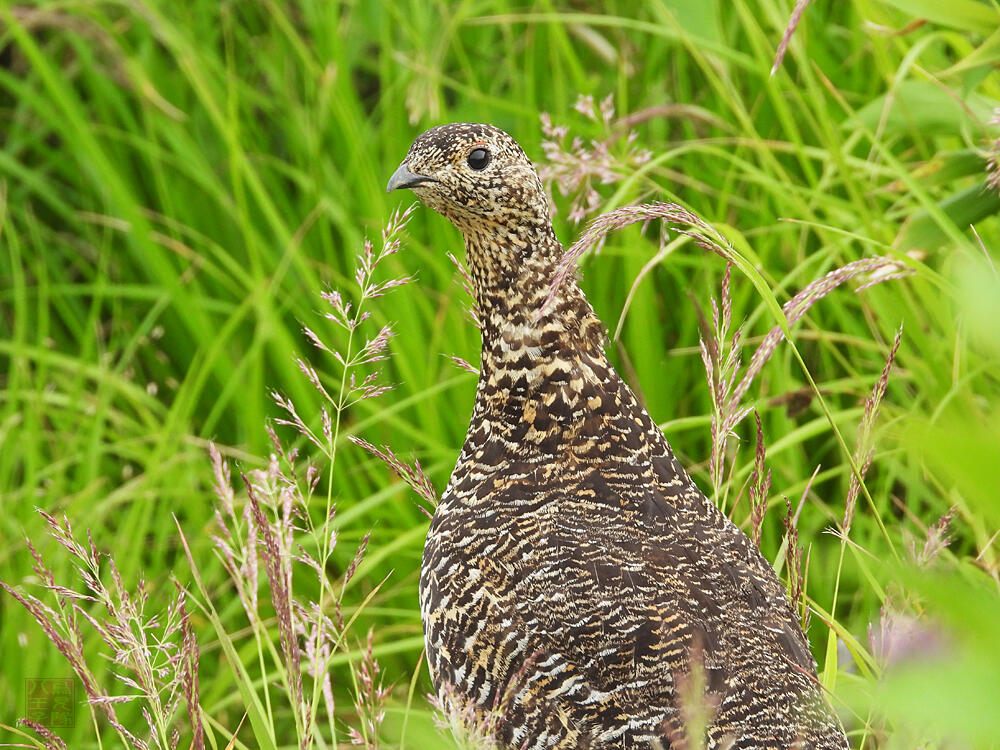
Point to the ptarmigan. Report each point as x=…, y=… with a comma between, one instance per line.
x=575, y=581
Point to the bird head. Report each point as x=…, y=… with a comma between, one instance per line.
x=473, y=175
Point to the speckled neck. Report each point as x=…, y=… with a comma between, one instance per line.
x=542, y=367
x=512, y=270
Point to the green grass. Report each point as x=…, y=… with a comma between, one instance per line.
x=179, y=182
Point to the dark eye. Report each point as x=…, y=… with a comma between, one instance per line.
x=478, y=158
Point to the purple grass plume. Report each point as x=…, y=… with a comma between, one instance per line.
x=796, y=566
x=760, y=485
x=576, y=168
x=865, y=450
x=786, y=38
x=279, y=528
x=153, y=656
x=413, y=475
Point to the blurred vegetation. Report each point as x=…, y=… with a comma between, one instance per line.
x=180, y=181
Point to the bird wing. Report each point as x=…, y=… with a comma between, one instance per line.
x=636, y=613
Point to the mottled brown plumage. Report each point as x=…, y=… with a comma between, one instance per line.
x=575, y=579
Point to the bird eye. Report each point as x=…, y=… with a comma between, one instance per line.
x=478, y=158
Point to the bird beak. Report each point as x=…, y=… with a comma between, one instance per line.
x=404, y=178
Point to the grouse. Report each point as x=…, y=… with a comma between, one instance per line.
x=576, y=585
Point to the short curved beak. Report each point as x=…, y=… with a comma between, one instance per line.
x=404, y=178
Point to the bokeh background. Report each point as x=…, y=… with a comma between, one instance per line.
x=179, y=183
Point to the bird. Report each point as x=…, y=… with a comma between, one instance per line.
x=577, y=588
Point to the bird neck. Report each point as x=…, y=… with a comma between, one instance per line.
x=513, y=270
x=543, y=370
